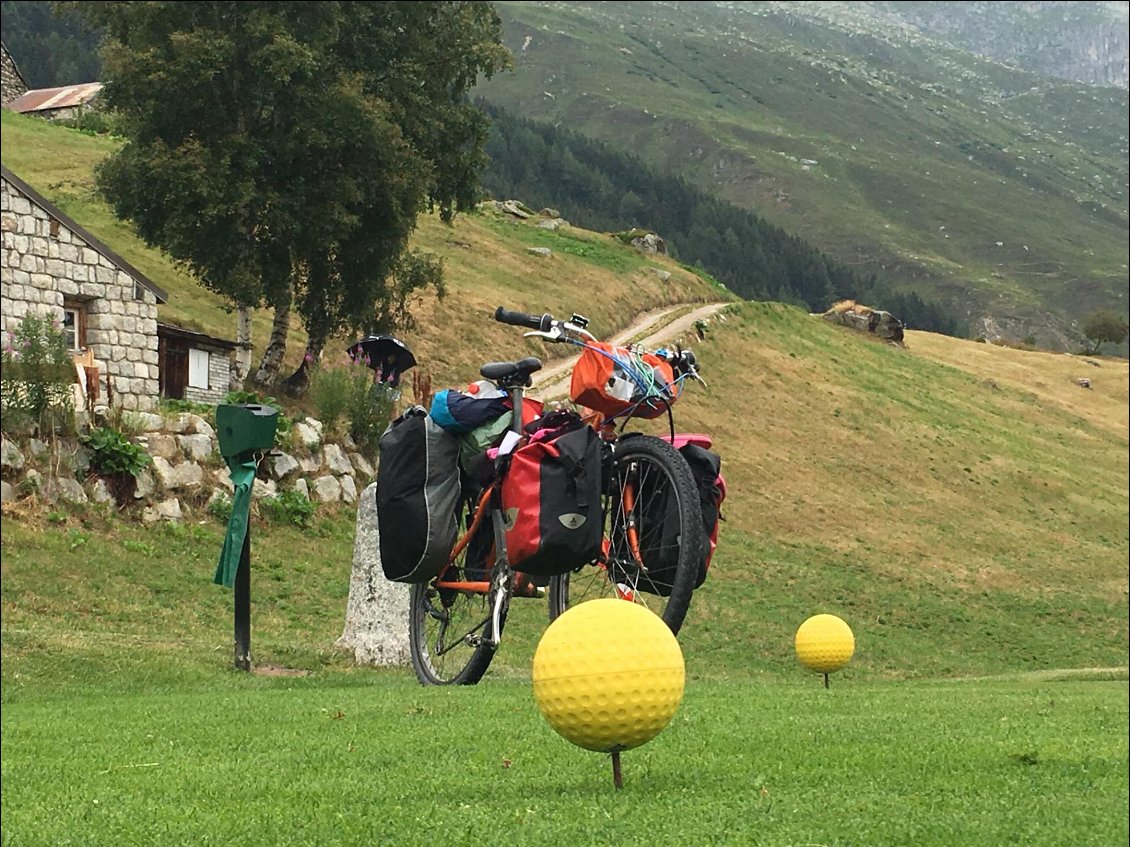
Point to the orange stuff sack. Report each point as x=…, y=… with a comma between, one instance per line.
x=616, y=380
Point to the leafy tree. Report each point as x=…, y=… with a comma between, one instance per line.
x=283, y=150
x=1102, y=327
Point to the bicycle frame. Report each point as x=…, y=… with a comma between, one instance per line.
x=507, y=581
x=488, y=502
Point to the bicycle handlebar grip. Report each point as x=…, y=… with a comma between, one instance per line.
x=542, y=323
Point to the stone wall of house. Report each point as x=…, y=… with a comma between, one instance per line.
x=44, y=262
x=219, y=380
x=12, y=84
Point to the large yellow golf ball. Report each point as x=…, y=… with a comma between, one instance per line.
x=608, y=675
x=824, y=643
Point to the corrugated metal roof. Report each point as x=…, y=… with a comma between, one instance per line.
x=66, y=97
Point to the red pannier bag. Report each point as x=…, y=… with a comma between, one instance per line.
x=614, y=380
x=551, y=501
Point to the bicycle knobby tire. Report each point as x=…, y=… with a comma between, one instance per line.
x=654, y=534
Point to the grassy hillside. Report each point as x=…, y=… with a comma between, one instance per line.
x=1000, y=192
x=486, y=257
x=964, y=504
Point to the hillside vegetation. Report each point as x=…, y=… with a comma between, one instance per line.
x=486, y=258
x=963, y=504
x=998, y=191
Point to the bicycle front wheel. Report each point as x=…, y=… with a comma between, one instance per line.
x=654, y=537
x=449, y=624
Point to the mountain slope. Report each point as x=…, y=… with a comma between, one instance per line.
x=999, y=191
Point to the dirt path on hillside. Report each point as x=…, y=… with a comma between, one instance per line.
x=553, y=382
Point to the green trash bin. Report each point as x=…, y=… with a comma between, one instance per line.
x=245, y=428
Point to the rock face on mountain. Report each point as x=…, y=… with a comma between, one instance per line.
x=1071, y=40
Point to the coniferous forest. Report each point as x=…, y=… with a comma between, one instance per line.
x=592, y=184
x=599, y=188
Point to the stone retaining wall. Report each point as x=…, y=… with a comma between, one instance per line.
x=186, y=474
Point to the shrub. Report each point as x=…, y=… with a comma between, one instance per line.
x=204, y=410
x=288, y=507
x=370, y=407
x=348, y=400
x=220, y=508
x=329, y=392
x=36, y=373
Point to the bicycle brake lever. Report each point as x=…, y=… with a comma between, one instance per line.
x=552, y=335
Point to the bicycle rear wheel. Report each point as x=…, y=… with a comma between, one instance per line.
x=449, y=628
x=654, y=537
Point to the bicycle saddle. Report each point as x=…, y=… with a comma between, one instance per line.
x=511, y=373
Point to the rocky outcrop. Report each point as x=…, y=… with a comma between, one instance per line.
x=1062, y=39
x=865, y=319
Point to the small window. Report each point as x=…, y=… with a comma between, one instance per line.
x=198, y=368
x=73, y=326
x=138, y=291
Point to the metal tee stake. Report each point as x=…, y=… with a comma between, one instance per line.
x=617, y=774
x=242, y=606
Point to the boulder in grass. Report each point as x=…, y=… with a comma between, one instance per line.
x=865, y=319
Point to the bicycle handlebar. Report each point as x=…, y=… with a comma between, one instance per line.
x=682, y=361
x=541, y=323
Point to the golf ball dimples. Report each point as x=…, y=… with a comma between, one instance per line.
x=608, y=675
x=824, y=643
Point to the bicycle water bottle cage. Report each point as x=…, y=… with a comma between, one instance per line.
x=511, y=374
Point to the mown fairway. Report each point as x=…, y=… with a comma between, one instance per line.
x=375, y=759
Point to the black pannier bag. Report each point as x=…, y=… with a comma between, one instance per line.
x=551, y=502
x=417, y=497
x=659, y=548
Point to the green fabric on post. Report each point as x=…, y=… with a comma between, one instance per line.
x=243, y=478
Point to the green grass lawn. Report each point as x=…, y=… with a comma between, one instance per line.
x=373, y=758
x=123, y=722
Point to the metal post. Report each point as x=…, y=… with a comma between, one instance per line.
x=243, y=605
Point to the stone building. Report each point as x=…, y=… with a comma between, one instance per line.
x=66, y=102
x=193, y=366
x=12, y=84
x=50, y=266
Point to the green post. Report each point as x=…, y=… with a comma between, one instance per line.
x=245, y=433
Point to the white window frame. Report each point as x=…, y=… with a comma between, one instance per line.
x=198, y=362
x=75, y=344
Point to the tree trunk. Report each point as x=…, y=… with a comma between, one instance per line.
x=269, y=365
x=243, y=351
x=296, y=384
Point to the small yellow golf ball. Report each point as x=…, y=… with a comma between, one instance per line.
x=608, y=675
x=824, y=643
